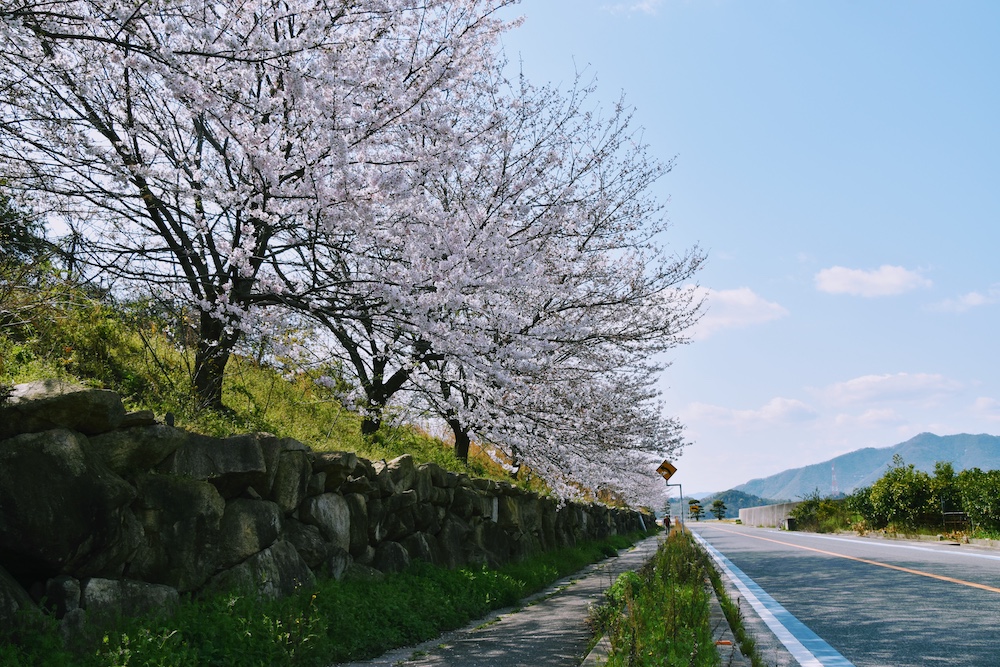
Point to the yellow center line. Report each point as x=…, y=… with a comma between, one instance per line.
x=931, y=575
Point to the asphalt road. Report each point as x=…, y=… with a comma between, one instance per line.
x=879, y=603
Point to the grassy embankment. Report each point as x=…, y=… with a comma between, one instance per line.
x=660, y=614
x=51, y=329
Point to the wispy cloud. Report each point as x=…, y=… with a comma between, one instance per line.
x=987, y=408
x=969, y=301
x=734, y=309
x=776, y=411
x=891, y=387
x=883, y=281
x=876, y=417
x=643, y=6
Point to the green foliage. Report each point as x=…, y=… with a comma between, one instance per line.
x=695, y=510
x=944, y=488
x=859, y=504
x=718, y=509
x=336, y=621
x=33, y=640
x=907, y=499
x=980, y=495
x=48, y=326
x=822, y=515
x=659, y=616
x=902, y=497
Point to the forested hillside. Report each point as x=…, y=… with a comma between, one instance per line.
x=864, y=466
x=737, y=500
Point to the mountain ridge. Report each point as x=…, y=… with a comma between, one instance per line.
x=864, y=466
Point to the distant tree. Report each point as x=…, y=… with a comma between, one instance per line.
x=902, y=496
x=859, y=503
x=944, y=488
x=718, y=509
x=822, y=514
x=695, y=509
x=980, y=494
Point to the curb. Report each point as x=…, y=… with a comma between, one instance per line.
x=599, y=654
x=722, y=635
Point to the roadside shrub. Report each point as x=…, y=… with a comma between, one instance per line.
x=944, y=488
x=859, y=505
x=822, y=515
x=902, y=498
x=980, y=495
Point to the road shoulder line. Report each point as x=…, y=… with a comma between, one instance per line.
x=808, y=648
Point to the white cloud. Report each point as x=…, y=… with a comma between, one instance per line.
x=987, y=408
x=876, y=417
x=786, y=410
x=891, y=387
x=884, y=281
x=643, y=6
x=733, y=309
x=969, y=301
x=776, y=411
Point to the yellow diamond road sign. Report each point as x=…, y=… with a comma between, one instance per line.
x=666, y=469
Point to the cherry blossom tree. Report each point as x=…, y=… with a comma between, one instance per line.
x=487, y=251
x=536, y=240
x=193, y=143
x=594, y=300
x=523, y=293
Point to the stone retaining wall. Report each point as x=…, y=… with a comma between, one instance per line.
x=107, y=512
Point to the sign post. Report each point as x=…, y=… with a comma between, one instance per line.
x=666, y=470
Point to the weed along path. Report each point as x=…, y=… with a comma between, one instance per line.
x=548, y=629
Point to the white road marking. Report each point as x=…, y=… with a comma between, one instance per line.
x=887, y=545
x=806, y=646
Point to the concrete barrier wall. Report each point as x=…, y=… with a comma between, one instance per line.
x=768, y=516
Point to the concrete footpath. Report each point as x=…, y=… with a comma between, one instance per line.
x=549, y=629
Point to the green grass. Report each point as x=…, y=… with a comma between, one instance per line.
x=53, y=329
x=660, y=614
x=332, y=622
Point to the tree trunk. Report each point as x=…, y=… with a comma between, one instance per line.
x=462, y=440
x=210, y=359
x=370, y=425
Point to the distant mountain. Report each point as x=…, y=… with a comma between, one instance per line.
x=864, y=466
x=735, y=501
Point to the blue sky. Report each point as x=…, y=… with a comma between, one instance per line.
x=840, y=163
